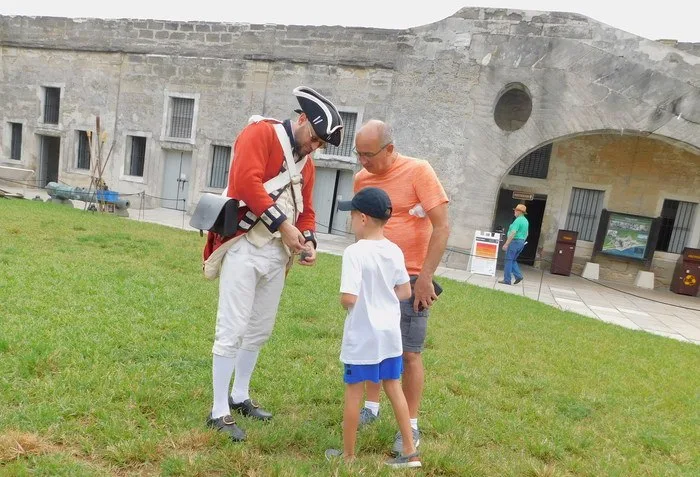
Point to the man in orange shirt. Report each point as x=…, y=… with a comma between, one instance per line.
x=419, y=226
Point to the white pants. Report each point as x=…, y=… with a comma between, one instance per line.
x=250, y=287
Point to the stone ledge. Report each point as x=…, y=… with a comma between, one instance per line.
x=388, y=65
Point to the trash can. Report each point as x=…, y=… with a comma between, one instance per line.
x=686, y=276
x=563, y=258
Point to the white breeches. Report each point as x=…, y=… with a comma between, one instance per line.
x=250, y=287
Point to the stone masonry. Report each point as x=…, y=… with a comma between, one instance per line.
x=438, y=84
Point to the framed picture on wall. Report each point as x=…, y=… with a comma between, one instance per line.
x=627, y=236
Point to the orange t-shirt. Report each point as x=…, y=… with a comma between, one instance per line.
x=408, y=182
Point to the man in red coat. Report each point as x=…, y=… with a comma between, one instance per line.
x=273, y=226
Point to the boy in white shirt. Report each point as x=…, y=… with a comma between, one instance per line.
x=373, y=280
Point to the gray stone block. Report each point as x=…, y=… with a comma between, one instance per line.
x=526, y=28
x=196, y=37
x=568, y=31
x=297, y=32
x=155, y=60
x=495, y=14
x=455, y=259
x=145, y=34
x=469, y=13
x=567, y=17
x=321, y=34
x=203, y=27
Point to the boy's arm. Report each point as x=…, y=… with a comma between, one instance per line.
x=350, y=278
x=347, y=300
x=403, y=291
x=401, y=279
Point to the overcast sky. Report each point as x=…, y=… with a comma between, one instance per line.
x=675, y=19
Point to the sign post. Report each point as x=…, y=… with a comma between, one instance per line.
x=484, y=253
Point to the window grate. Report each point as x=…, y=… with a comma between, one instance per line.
x=535, y=164
x=584, y=212
x=52, y=104
x=221, y=158
x=83, y=151
x=16, y=141
x=181, y=116
x=137, y=156
x=676, y=224
x=347, y=144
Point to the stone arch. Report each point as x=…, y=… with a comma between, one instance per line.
x=627, y=171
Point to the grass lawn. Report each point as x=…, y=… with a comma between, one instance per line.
x=106, y=327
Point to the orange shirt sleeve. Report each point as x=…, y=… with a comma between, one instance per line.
x=428, y=187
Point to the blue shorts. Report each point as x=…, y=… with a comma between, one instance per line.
x=390, y=368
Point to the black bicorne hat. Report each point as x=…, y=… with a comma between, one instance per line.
x=321, y=113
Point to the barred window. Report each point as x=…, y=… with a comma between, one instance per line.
x=181, y=117
x=676, y=223
x=136, y=157
x=52, y=104
x=15, y=141
x=220, y=161
x=584, y=212
x=83, y=161
x=535, y=164
x=347, y=144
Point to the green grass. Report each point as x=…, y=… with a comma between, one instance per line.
x=106, y=328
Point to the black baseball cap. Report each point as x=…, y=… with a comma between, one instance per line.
x=371, y=201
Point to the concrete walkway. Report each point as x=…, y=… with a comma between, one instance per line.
x=677, y=316
x=655, y=311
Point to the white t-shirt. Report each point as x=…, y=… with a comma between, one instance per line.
x=371, y=270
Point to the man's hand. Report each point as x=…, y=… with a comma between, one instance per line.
x=505, y=247
x=308, y=255
x=424, y=292
x=291, y=237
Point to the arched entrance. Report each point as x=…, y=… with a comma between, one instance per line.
x=568, y=183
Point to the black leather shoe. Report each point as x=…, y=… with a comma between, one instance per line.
x=227, y=425
x=517, y=280
x=250, y=408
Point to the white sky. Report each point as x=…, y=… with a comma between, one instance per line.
x=675, y=19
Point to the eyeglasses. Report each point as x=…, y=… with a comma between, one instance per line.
x=369, y=155
x=313, y=138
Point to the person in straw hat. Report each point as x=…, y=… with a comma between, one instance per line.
x=515, y=242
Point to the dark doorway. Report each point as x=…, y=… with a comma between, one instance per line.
x=535, y=214
x=50, y=149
